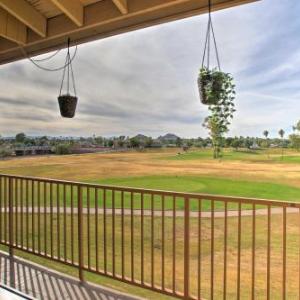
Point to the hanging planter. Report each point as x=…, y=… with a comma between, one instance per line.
x=214, y=85
x=67, y=102
x=67, y=105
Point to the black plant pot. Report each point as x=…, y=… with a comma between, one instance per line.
x=205, y=83
x=67, y=105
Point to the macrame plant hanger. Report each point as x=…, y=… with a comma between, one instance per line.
x=67, y=102
x=210, y=33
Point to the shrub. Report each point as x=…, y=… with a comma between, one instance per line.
x=4, y=152
x=63, y=149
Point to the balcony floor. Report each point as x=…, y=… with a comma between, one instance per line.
x=42, y=283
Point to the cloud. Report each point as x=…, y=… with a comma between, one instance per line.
x=145, y=81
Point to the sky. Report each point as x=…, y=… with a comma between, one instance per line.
x=146, y=81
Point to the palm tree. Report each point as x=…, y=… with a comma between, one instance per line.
x=281, y=134
x=266, y=134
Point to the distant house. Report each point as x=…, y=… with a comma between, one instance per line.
x=169, y=138
x=156, y=143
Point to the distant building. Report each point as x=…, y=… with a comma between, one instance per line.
x=156, y=143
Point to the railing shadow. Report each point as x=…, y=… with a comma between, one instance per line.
x=42, y=283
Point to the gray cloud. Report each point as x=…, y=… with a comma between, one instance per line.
x=145, y=81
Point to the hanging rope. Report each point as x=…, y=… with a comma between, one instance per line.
x=47, y=58
x=36, y=61
x=207, y=47
x=68, y=67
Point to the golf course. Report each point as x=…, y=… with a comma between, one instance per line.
x=264, y=174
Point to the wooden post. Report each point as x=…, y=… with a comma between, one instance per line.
x=80, y=234
x=186, y=247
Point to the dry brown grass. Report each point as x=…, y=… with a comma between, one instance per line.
x=92, y=167
x=293, y=243
x=100, y=166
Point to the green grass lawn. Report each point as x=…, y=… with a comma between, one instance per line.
x=258, y=187
x=268, y=155
x=209, y=185
x=187, y=183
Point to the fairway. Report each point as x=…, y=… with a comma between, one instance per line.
x=258, y=174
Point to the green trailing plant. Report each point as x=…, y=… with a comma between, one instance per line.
x=215, y=86
x=221, y=112
x=217, y=90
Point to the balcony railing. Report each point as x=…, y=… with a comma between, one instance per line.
x=191, y=246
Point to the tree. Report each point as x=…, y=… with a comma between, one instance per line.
x=297, y=126
x=110, y=143
x=42, y=141
x=148, y=142
x=20, y=137
x=62, y=149
x=228, y=142
x=248, y=143
x=120, y=143
x=281, y=134
x=134, y=142
x=295, y=141
x=5, y=152
x=295, y=137
x=266, y=133
x=212, y=124
x=221, y=115
x=236, y=143
x=178, y=142
x=99, y=140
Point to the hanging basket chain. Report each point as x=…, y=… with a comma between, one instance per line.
x=207, y=47
x=69, y=69
x=63, y=77
x=68, y=66
x=36, y=61
x=73, y=80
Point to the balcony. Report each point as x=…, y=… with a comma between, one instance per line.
x=189, y=246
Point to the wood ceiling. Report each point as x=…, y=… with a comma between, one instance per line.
x=40, y=26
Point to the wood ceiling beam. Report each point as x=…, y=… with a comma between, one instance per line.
x=26, y=14
x=102, y=19
x=72, y=9
x=11, y=28
x=122, y=5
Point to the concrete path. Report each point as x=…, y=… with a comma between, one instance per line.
x=44, y=284
x=158, y=213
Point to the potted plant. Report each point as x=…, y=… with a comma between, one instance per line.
x=212, y=85
x=67, y=102
x=67, y=105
